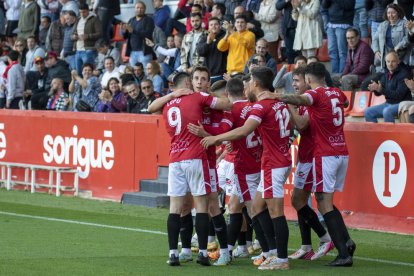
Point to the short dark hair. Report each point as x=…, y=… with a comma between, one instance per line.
x=131, y=83
x=218, y=85
x=31, y=37
x=200, y=69
x=125, y=78
x=264, y=76
x=179, y=78
x=90, y=65
x=139, y=64
x=196, y=14
x=102, y=42
x=197, y=6
x=214, y=19
x=220, y=7
x=13, y=55
x=83, y=7
x=47, y=18
x=300, y=58
x=316, y=69
x=354, y=30
x=314, y=57
x=235, y=87
x=109, y=57
x=241, y=16
x=300, y=71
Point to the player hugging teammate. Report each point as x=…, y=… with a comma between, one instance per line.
x=259, y=131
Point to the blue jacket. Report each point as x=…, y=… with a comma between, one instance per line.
x=161, y=16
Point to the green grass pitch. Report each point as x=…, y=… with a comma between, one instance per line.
x=44, y=235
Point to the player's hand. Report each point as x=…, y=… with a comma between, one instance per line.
x=198, y=130
x=181, y=92
x=374, y=86
x=208, y=141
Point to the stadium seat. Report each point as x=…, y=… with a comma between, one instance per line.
x=322, y=52
x=125, y=59
x=362, y=100
x=377, y=100
x=290, y=67
x=117, y=37
x=349, y=96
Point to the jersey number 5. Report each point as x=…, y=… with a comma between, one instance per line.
x=336, y=111
x=174, y=119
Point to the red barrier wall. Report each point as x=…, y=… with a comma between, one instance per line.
x=122, y=149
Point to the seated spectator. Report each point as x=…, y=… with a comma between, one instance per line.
x=262, y=50
x=393, y=87
x=85, y=88
x=35, y=91
x=136, y=99
x=14, y=74
x=283, y=82
x=139, y=72
x=58, y=97
x=105, y=49
x=150, y=95
x=239, y=43
x=391, y=36
x=255, y=61
x=406, y=108
x=111, y=99
x=34, y=50
x=110, y=71
x=20, y=47
x=57, y=69
x=153, y=73
x=358, y=61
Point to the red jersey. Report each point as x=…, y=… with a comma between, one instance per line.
x=326, y=115
x=274, y=130
x=305, y=151
x=247, y=152
x=178, y=113
x=211, y=121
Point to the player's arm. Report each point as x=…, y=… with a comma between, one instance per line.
x=249, y=126
x=157, y=105
x=222, y=104
x=286, y=98
x=301, y=122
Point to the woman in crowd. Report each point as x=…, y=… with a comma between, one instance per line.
x=20, y=46
x=154, y=74
x=112, y=100
x=391, y=36
x=85, y=89
x=308, y=36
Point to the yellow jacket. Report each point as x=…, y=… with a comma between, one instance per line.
x=241, y=47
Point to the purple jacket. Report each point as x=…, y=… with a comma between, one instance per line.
x=363, y=59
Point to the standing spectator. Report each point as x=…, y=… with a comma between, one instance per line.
x=161, y=13
x=15, y=76
x=29, y=19
x=106, y=11
x=239, y=43
x=55, y=36
x=12, y=14
x=153, y=74
x=34, y=50
x=218, y=11
x=85, y=88
x=49, y=8
x=138, y=28
x=105, y=49
x=69, y=5
x=231, y=6
x=86, y=32
x=288, y=28
x=361, y=18
x=392, y=35
x=407, y=7
x=190, y=57
x=358, y=61
x=68, y=52
x=112, y=99
x=308, y=35
x=253, y=25
x=341, y=17
x=110, y=71
x=35, y=90
x=216, y=61
x=44, y=30
x=392, y=85
x=375, y=9
x=262, y=50
x=58, y=97
x=271, y=23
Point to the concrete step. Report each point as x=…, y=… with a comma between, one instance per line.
x=147, y=199
x=162, y=172
x=154, y=186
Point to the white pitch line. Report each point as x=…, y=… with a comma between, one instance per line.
x=165, y=234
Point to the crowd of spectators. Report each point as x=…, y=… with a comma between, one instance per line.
x=63, y=55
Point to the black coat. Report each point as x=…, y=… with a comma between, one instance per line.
x=395, y=90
